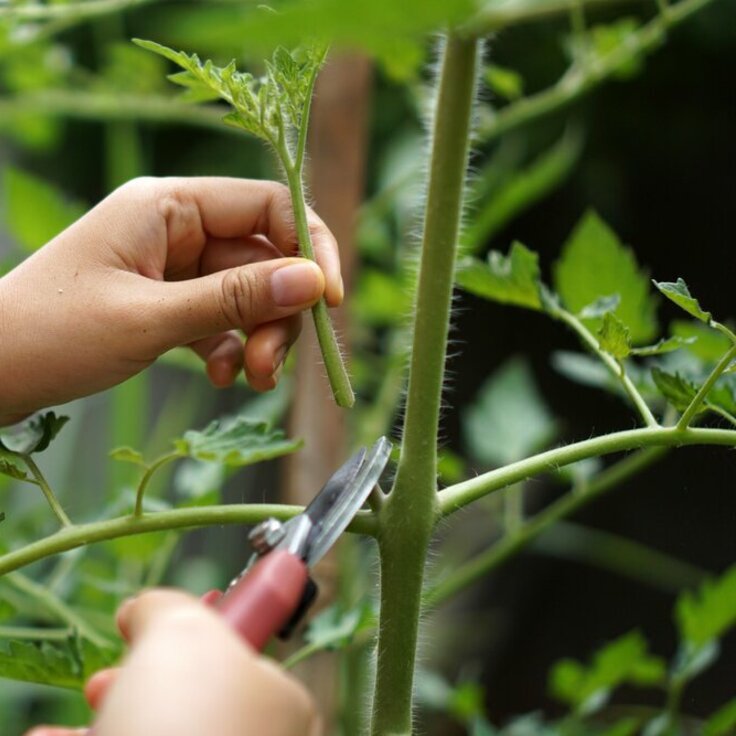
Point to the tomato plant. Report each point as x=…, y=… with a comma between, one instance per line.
x=678, y=384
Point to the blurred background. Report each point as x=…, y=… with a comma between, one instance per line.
x=651, y=149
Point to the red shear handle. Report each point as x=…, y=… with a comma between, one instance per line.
x=265, y=598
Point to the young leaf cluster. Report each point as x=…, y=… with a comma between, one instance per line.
x=603, y=295
x=272, y=108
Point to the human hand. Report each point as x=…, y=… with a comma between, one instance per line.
x=189, y=674
x=157, y=264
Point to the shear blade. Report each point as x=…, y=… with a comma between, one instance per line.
x=363, y=470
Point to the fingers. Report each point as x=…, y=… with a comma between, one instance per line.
x=188, y=672
x=266, y=351
x=223, y=355
x=56, y=731
x=242, y=298
x=98, y=685
x=219, y=207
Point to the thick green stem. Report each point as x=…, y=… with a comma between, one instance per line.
x=409, y=514
x=47, y=491
x=699, y=398
x=336, y=371
x=461, y=494
x=80, y=535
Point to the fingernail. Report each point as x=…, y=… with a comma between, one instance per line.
x=279, y=357
x=296, y=284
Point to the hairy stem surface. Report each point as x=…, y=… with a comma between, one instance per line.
x=409, y=514
x=80, y=535
x=336, y=371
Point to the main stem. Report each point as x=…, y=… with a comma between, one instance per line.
x=410, y=512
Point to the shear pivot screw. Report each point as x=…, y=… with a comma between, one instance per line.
x=266, y=536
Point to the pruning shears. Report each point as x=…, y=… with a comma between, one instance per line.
x=274, y=590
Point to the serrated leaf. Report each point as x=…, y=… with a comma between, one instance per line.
x=722, y=722
x=676, y=389
x=594, y=262
x=509, y=419
x=512, y=279
x=706, y=614
x=33, y=435
x=614, y=337
x=665, y=345
x=600, y=307
x=623, y=661
x=62, y=664
x=36, y=211
x=127, y=455
x=236, y=441
x=12, y=466
x=679, y=293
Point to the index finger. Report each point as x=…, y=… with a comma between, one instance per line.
x=233, y=208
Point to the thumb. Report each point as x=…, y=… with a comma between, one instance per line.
x=237, y=298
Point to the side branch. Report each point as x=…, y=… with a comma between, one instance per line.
x=578, y=81
x=617, y=370
x=461, y=494
x=80, y=535
x=699, y=398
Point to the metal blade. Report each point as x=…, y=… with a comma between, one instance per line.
x=342, y=478
x=336, y=519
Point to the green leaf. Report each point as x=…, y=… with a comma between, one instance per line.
x=381, y=299
x=236, y=441
x=509, y=419
x=33, y=435
x=676, y=389
x=706, y=614
x=512, y=279
x=680, y=295
x=12, y=465
x=600, y=307
x=506, y=83
x=665, y=345
x=335, y=628
x=722, y=722
x=614, y=337
x=360, y=24
x=706, y=343
x=623, y=661
x=450, y=466
x=36, y=211
x=62, y=664
x=625, y=727
x=195, y=479
x=595, y=263
x=127, y=455
x=693, y=659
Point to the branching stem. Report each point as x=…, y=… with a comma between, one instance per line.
x=47, y=491
x=148, y=474
x=616, y=368
x=689, y=414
